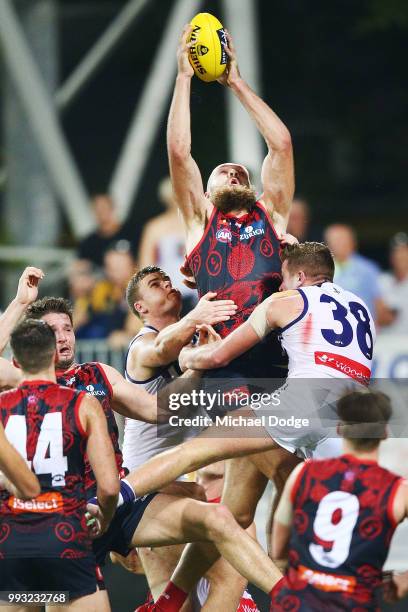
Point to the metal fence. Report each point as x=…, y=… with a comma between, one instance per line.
x=98, y=350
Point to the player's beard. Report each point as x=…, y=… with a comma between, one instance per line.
x=237, y=198
x=64, y=364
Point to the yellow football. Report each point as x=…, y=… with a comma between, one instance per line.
x=207, y=55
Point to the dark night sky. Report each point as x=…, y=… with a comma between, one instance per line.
x=334, y=71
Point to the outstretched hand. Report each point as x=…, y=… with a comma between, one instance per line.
x=183, y=50
x=212, y=311
x=27, y=291
x=231, y=73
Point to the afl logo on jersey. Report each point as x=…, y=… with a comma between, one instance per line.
x=93, y=391
x=223, y=235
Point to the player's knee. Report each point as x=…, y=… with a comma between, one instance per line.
x=219, y=521
x=244, y=517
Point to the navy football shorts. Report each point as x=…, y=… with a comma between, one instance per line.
x=119, y=536
x=77, y=576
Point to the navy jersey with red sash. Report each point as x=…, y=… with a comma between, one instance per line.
x=41, y=420
x=342, y=527
x=90, y=377
x=239, y=259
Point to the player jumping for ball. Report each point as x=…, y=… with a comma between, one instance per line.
x=233, y=240
x=329, y=336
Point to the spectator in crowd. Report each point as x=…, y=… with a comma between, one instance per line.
x=162, y=243
x=353, y=271
x=81, y=283
x=393, y=317
x=100, y=308
x=299, y=219
x=108, y=230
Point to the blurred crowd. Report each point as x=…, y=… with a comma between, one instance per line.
x=107, y=258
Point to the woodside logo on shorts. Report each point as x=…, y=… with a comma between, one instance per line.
x=45, y=502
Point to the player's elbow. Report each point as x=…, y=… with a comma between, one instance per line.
x=284, y=144
x=163, y=353
x=178, y=151
x=217, y=360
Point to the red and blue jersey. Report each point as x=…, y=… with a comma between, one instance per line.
x=91, y=378
x=239, y=259
x=41, y=420
x=342, y=528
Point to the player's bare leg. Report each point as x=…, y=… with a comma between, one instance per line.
x=246, y=479
x=245, y=482
x=131, y=563
x=168, y=520
x=244, y=485
x=285, y=466
x=212, y=445
x=226, y=585
x=160, y=563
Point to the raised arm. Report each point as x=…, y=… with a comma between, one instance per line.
x=10, y=376
x=278, y=181
x=101, y=456
x=19, y=479
x=164, y=348
x=185, y=174
x=130, y=400
x=27, y=292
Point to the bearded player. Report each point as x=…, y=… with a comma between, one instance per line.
x=154, y=520
x=232, y=239
x=325, y=358
x=102, y=381
x=233, y=244
x=329, y=336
